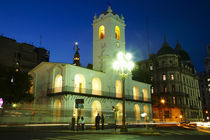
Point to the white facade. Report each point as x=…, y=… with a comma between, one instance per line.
x=59, y=84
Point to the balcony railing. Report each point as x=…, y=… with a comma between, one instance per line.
x=95, y=93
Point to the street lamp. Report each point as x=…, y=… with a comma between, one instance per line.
x=162, y=101
x=123, y=66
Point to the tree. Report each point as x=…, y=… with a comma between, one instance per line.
x=14, y=85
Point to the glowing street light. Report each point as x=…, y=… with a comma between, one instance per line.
x=162, y=101
x=123, y=66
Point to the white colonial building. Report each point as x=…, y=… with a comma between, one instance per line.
x=60, y=84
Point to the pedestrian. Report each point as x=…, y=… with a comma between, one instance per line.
x=73, y=123
x=78, y=123
x=83, y=123
x=102, y=121
x=98, y=118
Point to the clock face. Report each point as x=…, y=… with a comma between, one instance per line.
x=117, y=44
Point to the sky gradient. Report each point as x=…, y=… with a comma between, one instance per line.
x=62, y=22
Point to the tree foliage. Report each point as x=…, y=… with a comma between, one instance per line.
x=14, y=85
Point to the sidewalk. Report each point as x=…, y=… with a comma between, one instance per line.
x=65, y=128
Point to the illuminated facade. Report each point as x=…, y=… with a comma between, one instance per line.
x=60, y=84
x=175, y=90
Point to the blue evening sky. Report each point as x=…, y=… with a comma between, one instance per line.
x=62, y=22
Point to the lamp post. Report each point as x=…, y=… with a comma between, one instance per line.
x=123, y=66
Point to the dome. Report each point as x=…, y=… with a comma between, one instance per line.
x=183, y=54
x=166, y=49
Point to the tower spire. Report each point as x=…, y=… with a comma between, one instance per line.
x=109, y=7
x=76, y=55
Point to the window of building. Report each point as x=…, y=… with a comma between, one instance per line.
x=208, y=85
x=151, y=78
x=173, y=88
x=208, y=79
x=117, y=32
x=58, y=83
x=101, y=32
x=164, y=89
x=150, y=67
x=174, y=100
x=152, y=90
x=135, y=93
x=166, y=114
x=172, y=76
x=164, y=77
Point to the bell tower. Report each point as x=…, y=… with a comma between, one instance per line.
x=108, y=39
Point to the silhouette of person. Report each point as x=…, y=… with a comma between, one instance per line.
x=98, y=118
x=78, y=123
x=83, y=123
x=73, y=123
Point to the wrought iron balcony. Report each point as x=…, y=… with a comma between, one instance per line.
x=94, y=93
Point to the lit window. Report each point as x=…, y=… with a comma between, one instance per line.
x=165, y=89
x=135, y=93
x=164, y=77
x=208, y=85
x=31, y=87
x=58, y=83
x=101, y=32
x=208, y=79
x=117, y=32
x=172, y=76
x=150, y=67
x=118, y=89
x=174, y=100
x=152, y=90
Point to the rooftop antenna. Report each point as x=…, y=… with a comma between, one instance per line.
x=148, y=36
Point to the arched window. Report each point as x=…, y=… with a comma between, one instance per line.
x=146, y=110
x=137, y=112
x=101, y=32
x=58, y=83
x=96, y=86
x=31, y=90
x=145, y=94
x=119, y=113
x=118, y=89
x=79, y=83
x=117, y=32
x=57, y=110
x=96, y=109
x=135, y=93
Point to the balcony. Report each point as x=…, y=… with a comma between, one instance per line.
x=93, y=93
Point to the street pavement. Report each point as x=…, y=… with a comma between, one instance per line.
x=159, y=133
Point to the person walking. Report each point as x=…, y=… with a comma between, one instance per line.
x=102, y=121
x=83, y=123
x=73, y=123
